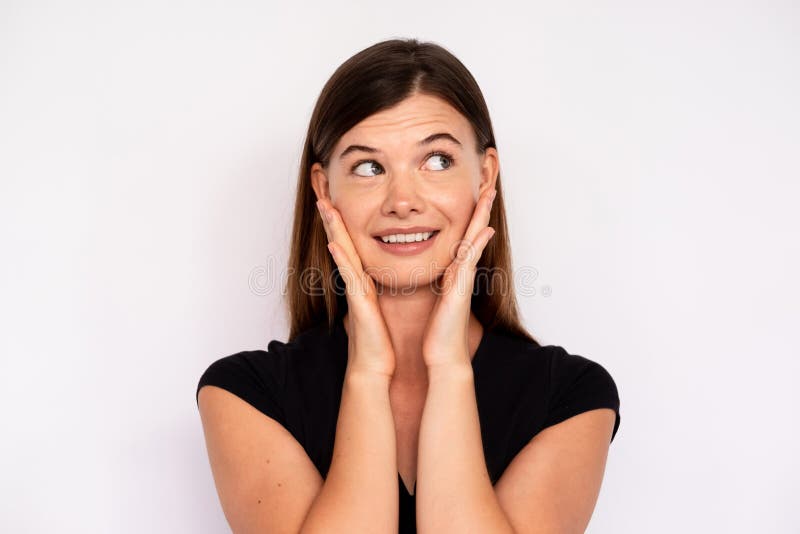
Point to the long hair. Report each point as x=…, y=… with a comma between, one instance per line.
x=372, y=80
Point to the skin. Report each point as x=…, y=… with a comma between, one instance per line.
x=400, y=186
x=406, y=190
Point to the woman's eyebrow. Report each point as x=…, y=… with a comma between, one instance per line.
x=428, y=140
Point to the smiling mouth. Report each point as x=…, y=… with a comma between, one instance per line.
x=433, y=234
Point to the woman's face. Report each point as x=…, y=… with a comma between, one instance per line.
x=386, y=173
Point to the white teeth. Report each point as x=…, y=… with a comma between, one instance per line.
x=406, y=238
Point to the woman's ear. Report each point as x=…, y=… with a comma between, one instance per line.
x=490, y=167
x=319, y=181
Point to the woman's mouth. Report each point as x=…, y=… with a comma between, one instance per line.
x=410, y=244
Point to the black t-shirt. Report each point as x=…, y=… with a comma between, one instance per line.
x=521, y=388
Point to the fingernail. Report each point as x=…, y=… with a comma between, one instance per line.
x=329, y=215
x=494, y=194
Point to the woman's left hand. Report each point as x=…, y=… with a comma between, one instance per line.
x=446, y=337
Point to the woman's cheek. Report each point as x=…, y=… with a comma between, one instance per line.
x=460, y=211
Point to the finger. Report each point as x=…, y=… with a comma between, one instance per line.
x=338, y=233
x=329, y=226
x=353, y=278
x=469, y=250
x=341, y=259
x=466, y=263
x=480, y=243
x=461, y=273
x=324, y=221
x=350, y=267
x=480, y=216
x=459, y=276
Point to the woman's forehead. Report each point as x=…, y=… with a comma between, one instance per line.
x=416, y=110
x=407, y=125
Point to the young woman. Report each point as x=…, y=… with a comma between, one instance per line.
x=408, y=396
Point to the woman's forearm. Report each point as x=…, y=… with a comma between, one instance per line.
x=454, y=491
x=360, y=492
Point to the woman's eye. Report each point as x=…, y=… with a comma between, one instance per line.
x=366, y=166
x=445, y=160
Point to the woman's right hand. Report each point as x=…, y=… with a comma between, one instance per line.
x=369, y=346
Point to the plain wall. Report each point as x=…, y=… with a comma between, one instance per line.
x=148, y=160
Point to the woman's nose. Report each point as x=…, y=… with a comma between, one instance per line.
x=402, y=196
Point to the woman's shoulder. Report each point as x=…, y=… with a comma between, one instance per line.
x=263, y=371
x=557, y=360
x=570, y=370
x=513, y=349
x=561, y=382
x=578, y=384
x=313, y=338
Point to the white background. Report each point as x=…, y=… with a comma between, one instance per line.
x=148, y=155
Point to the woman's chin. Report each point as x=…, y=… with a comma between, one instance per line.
x=401, y=280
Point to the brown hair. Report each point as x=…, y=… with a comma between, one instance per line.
x=372, y=80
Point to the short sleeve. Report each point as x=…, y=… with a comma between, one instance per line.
x=254, y=376
x=578, y=385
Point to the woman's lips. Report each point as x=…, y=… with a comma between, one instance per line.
x=407, y=249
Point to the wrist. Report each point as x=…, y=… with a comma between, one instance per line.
x=366, y=375
x=457, y=370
